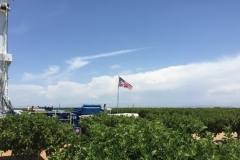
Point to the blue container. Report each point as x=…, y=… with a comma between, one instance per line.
x=91, y=109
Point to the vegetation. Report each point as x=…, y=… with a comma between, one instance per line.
x=159, y=133
x=28, y=135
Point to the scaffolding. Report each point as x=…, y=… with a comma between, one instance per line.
x=5, y=59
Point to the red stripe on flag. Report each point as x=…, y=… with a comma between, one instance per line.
x=123, y=83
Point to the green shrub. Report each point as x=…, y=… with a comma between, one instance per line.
x=28, y=135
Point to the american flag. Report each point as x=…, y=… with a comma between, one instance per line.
x=123, y=83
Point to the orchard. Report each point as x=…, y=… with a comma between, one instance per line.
x=158, y=133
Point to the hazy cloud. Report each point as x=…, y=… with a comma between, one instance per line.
x=76, y=63
x=48, y=72
x=53, y=74
x=115, y=66
x=79, y=62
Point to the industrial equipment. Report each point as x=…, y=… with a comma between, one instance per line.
x=71, y=117
x=5, y=59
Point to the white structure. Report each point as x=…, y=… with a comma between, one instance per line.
x=5, y=59
x=127, y=114
x=118, y=114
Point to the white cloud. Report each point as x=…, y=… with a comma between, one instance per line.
x=110, y=54
x=206, y=83
x=79, y=62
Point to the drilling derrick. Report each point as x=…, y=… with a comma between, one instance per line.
x=5, y=59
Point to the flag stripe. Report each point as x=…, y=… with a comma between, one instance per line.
x=123, y=83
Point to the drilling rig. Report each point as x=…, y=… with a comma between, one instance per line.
x=5, y=60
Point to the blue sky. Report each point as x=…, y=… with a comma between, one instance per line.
x=174, y=53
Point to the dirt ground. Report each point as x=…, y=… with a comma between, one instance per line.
x=219, y=137
x=7, y=155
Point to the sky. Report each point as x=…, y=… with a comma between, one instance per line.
x=174, y=53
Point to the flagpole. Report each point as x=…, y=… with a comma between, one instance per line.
x=118, y=95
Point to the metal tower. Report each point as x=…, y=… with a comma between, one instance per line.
x=5, y=59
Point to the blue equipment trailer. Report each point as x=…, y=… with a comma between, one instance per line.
x=71, y=117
